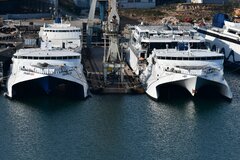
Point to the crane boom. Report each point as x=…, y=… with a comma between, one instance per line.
x=113, y=59
x=90, y=22
x=113, y=17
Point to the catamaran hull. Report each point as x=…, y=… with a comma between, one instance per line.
x=191, y=83
x=46, y=84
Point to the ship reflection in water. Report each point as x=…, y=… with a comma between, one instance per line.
x=121, y=127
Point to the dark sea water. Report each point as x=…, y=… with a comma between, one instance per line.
x=120, y=127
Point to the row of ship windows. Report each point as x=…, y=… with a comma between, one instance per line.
x=234, y=32
x=61, y=30
x=48, y=58
x=190, y=58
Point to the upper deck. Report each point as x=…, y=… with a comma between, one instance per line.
x=230, y=31
x=60, y=27
x=194, y=54
x=166, y=33
x=46, y=54
x=51, y=29
x=61, y=35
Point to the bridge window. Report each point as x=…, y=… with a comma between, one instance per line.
x=198, y=45
x=182, y=46
x=214, y=48
x=232, y=31
x=190, y=58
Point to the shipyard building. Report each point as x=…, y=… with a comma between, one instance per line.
x=26, y=6
x=137, y=3
x=85, y=4
x=208, y=1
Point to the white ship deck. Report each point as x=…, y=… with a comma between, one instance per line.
x=186, y=53
x=61, y=26
x=45, y=53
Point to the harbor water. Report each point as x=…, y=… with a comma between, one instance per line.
x=121, y=127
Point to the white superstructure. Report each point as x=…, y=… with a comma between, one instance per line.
x=145, y=38
x=47, y=71
x=224, y=40
x=175, y=55
x=61, y=35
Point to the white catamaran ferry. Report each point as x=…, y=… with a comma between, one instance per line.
x=47, y=71
x=189, y=66
x=175, y=55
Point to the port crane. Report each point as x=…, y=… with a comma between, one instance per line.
x=113, y=64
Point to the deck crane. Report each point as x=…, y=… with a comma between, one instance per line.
x=90, y=21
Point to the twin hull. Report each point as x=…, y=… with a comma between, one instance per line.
x=26, y=83
x=191, y=83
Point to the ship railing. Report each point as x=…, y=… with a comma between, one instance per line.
x=193, y=71
x=49, y=71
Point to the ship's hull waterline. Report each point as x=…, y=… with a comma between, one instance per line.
x=194, y=85
x=47, y=85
